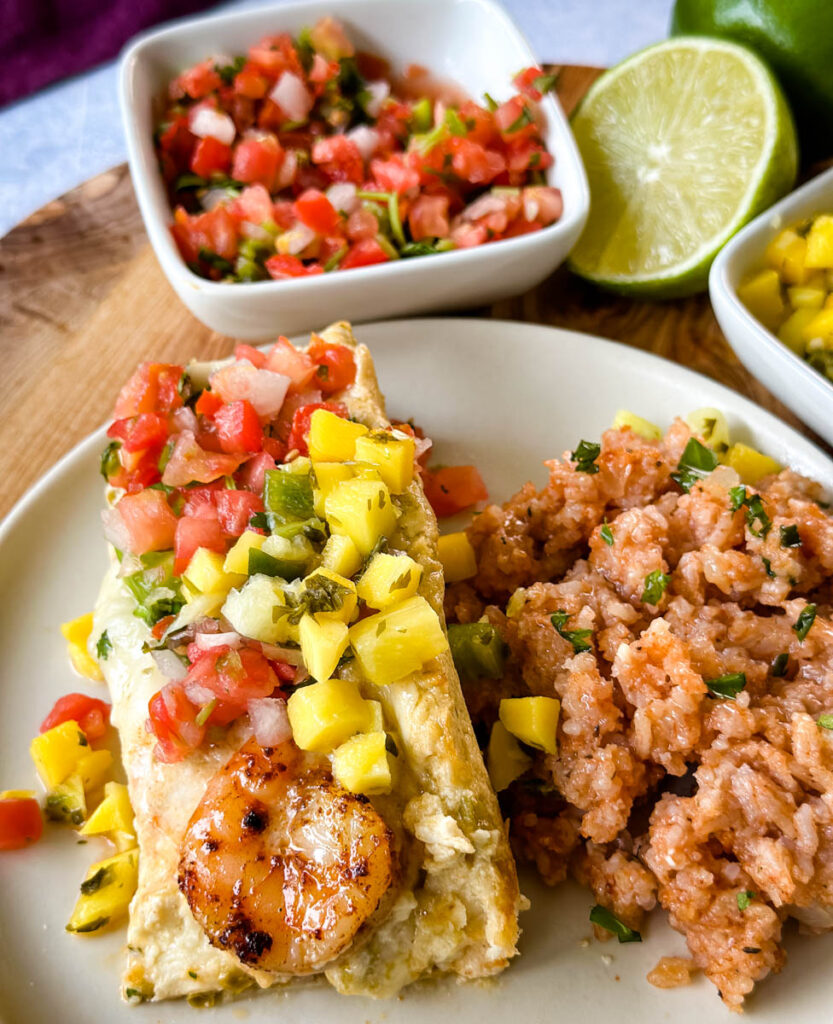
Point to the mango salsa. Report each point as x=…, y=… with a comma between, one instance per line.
x=457, y=556
x=77, y=635
x=327, y=595
x=392, y=453
x=206, y=573
x=322, y=644
x=332, y=438
x=505, y=760
x=361, y=764
x=710, y=424
x=398, y=641
x=533, y=720
x=389, y=579
x=341, y=555
x=106, y=892
x=255, y=611
x=324, y=715
x=56, y=753
x=113, y=817
x=363, y=511
x=94, y=769
x=750, y=464
x=820, y=243
x=626, y=418
x=237, y=559
x=67, y=801
x=327, y=476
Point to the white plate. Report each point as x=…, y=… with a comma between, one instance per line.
x=505, y=396
x=804, y=390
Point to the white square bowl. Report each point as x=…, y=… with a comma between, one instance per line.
x=472, y=42
x=801, y=388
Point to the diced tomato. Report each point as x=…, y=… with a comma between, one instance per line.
x=249, y=82
x=154, y=387
x=362, y=223
x=257, y=160
x=254, y=205
x=210, y=155
x=190, y=463
x=301, y=420
x=428, y=217
x=394, y=175
x=172, y=720
x=214, y=232
x=323, y=70
x=473, y=162
x=235, y=508
x=177, y=143
x=336, y=366
x=238, y=427
x=339, y=158
x=200, y=80
x=149, y=521
x=281, y=267
x=234, y=677
x=275, y=54
x=452, y=489
x=254, y=355
x=199, y=501
x=142, y=472
x=514, y=120
x=467, y=235
x=159, y=628
x=208, y=403
x=525, y=81
x=91, y=714
x=147, y=430
x=21, y=822
x=315, y=210
x=251, y=475
x=364, y=254
x=284, y=358
x=194, y=532
x=275, y=448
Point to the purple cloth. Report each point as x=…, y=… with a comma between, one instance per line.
x=42, y=41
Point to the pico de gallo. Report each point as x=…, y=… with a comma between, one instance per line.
x=304, y=156
x=210, y=484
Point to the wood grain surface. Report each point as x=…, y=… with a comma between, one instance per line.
x=83, y=300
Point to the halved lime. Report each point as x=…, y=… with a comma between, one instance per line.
x=683, y=143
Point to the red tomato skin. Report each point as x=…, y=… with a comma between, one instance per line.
x=207, y=404
x=194, y=532
x=337, y=361
x=301, y=420
x=154, y=387
x=428, y=217
x=176, y=731
x=252, y=473
x=147, y=430
x=315, y=210
x=394, y=175
x=91, y=714
x=256, y=161
x=452, y=489
x=365, y=253
x=21, y=823
x=210, y=155
x=254, y=355
x=238, y=427
x=235, y=509
x=149, y=520
x=284, y=358
x=281, y=267
x=339, y=158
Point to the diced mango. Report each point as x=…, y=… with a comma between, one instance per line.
x=361, y=764
x=821, y=326
x=28, y=794
x=206, y=573
x=363, y=511
x=505, y=760
x=295, y=553
x=327, y=476
x=237, y=560
x=389, y=579
x=786, y=254
x=533, y=720
x=376, y=721
x=341, y=555
x=710, y=424
x=56, y=753
x=328, y=595
x=802, y=296
x=106, y=892
x=325, y=714
x=332, y=438
x=94, y=769
x=67, y=802
x=255, y=611
x=392, y=452
x=516, y=602
x=750, y=464
x=820, y=243
x=626, y=418
x=301, y=465
x=791, y=331
x=77, y=635
x=398, y=641
x=113, y=817
x=457, y=557
x=322, y=644
x=762, y=297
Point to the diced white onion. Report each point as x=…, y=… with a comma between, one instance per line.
x=206, y=641
x=169, y=664
x=366, y=140
x=292, y=96
x=263, y=388
x=213, y=197
x=185, y=419
x=531, y=206
x=199, y=694
x=200, y=371
x=256, y=231
x=269, y=721
x=379, y=92
x=343, y=196
x=296, y=240
x=287, y=170
x=205, y=121
x=114, y=529
x=290, y=655
x=484, y=205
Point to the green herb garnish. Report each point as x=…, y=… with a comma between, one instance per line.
x=768, y=567
x=606, y=919
x=110, y=462
x=727, y=687
x=655, y=586
x=103, y=646
x=778, y=668
x=228, y=71
x=96, y=881
x=579, y=638
x=585, y=457
x=825, y=721
x=523, y=119
x=745, y=898
x=607, y=534
x=804, y=621
x=697, y=462
x=790, y=537
x=205, y=712
x=543, y=83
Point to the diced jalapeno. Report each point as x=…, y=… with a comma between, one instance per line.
x=478, y=650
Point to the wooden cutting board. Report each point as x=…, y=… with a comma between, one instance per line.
x=83, y=300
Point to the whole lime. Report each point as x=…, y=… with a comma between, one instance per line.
x=795, y=37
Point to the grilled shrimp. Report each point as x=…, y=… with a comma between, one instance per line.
x=280, y=865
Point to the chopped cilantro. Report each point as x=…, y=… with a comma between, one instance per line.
x=768, y=567
x=96, y=881
x=607, y=534
x=229, y=71
x=110, y=461
x=585, y=457
x=745, y=898
x=737, y=497
x=491, y=103
x=728, y=686
x=696, y=462
x=778, y=668
x=825, y=721
x=655, y=586
x=804, y=621
x=790, y=537
x=104, y=646
x=606, y=919
x=544, y=83
x=523, y=119
x=454, y=122
x=579, y=638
